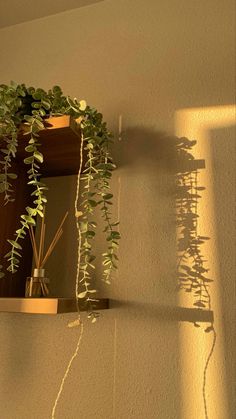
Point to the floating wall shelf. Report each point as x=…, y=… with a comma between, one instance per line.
x=47, y=305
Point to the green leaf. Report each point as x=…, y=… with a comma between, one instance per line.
x=12, y=175
x=38, y=156
x=29, y=160
x=57, y=90
x=82, y=294
x=72, y=104
x=40, y=213
x=37, y=95
x=15, y=244
x=13, y=251
x=21, y=91
x=28, y=118
x=21, y=231
x=4, y=151
x=82, y=105
x=46, y=105
x=32, y=182
x=36, y=105
x=28, y=219
x=31, y=211
x=30, y=148
x=83, y=226
x=11, y=269
x=42, y=112
x=39, y=124
x=31, y=90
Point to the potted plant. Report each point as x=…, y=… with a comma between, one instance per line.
x=27, y=108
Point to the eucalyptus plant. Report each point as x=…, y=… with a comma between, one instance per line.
x=28, y=107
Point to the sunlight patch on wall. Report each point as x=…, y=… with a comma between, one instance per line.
x=195, y=344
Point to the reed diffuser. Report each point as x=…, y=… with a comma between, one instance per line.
x=37, y=284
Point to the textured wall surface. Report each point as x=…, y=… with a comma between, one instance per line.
x=144, y=61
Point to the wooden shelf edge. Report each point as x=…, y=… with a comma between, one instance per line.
x=47, y=305
x=60, y=145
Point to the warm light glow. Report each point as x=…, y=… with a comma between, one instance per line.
x=195, y=345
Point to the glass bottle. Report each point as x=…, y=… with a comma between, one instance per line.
x=37, y=285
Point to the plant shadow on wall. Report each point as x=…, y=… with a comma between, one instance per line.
x=191, y=268
x=170, y=195
x=154, y=170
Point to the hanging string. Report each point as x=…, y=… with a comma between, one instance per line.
x=205, y=372
x=77, y=215
x=67, y=371
x=76, y=322
x=210, y=328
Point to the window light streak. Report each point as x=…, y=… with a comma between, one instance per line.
x=195, y=344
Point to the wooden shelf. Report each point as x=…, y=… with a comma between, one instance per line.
x=47, y=305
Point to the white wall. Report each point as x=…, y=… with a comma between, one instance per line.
x=144, y=60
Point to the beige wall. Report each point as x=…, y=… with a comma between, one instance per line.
x=144, y=61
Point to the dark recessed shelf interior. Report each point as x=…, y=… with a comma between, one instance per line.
x=60, y=144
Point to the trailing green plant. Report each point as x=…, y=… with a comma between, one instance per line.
x=27, y=107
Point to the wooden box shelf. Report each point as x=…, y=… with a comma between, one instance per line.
x=60, y=145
